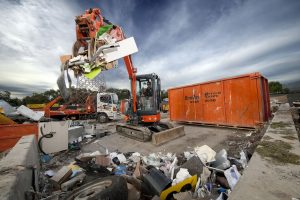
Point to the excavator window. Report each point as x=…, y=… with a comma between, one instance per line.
x=145, y=95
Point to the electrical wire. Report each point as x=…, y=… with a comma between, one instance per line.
x=48, y=135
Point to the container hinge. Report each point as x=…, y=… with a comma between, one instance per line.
x=255, y=75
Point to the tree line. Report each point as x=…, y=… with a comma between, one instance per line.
x=79, y=95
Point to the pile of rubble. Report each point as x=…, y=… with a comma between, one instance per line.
x=198, y=174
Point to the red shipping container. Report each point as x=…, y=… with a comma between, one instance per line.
x=241, y=101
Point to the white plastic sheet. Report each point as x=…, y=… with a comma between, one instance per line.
x=127, y=47
x=27, y=112
x=181, y=175
x=205, y=153
x=232, y=175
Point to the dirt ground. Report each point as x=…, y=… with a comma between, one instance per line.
x=218, y=138
x=195, y=136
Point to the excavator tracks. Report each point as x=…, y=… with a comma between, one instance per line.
x=139, y=133
x=159, y=134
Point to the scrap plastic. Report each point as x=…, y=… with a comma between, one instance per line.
x=232, y=175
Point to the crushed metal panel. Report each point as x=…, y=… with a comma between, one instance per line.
x=74, y=133
x=127, y=47
x=62, y=86
x=27, y=112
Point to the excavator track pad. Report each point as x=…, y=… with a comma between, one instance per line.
x=139, y=133
x=159, y=134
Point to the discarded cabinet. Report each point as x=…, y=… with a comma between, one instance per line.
x=53, y=136
x=241, y=101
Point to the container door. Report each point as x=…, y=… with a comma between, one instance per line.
x=241, y=99
x=213, y=102
x=176, y=104
x=191, y=103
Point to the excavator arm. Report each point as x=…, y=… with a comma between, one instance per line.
x=132, y=76
x=88, y=26
x=98, y=37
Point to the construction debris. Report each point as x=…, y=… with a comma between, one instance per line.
x=62, y=175
x=157, y=174
x=198, y=173
x=27, y=112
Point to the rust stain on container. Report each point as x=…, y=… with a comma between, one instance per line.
x=241, y=101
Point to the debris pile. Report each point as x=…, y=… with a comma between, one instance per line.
x=198, y=174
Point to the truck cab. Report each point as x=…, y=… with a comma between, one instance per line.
x=107, y=107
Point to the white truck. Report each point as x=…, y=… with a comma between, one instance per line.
x=107, y=107
x=103, y=107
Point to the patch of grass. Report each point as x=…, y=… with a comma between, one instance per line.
x=286, y=132
x=280, y=125
x=289, y=137
x=282, y=132
x=278, y=151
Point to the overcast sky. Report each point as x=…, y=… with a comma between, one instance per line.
x=183, y=42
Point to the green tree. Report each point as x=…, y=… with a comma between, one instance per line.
x=35, y=98
x=51, y=94
x=286, y=90
x=122, y=93
x=164, y=94
x=6, y=96
x=277, y=87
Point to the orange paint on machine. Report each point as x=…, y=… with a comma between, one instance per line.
x=241, y=101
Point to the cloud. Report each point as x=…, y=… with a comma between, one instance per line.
x=33, y=36
x=182, y=41
x=241, y=39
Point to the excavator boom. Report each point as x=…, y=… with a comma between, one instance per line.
x=96, y=38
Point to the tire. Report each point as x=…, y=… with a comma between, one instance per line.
x=102, y=118
x=108, y=188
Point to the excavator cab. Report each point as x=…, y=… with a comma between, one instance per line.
x=143, y=123
x=148, y=98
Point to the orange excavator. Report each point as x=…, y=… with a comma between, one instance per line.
x=95, y=34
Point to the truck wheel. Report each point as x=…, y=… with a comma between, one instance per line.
x=102, y=118
x=112, y=188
